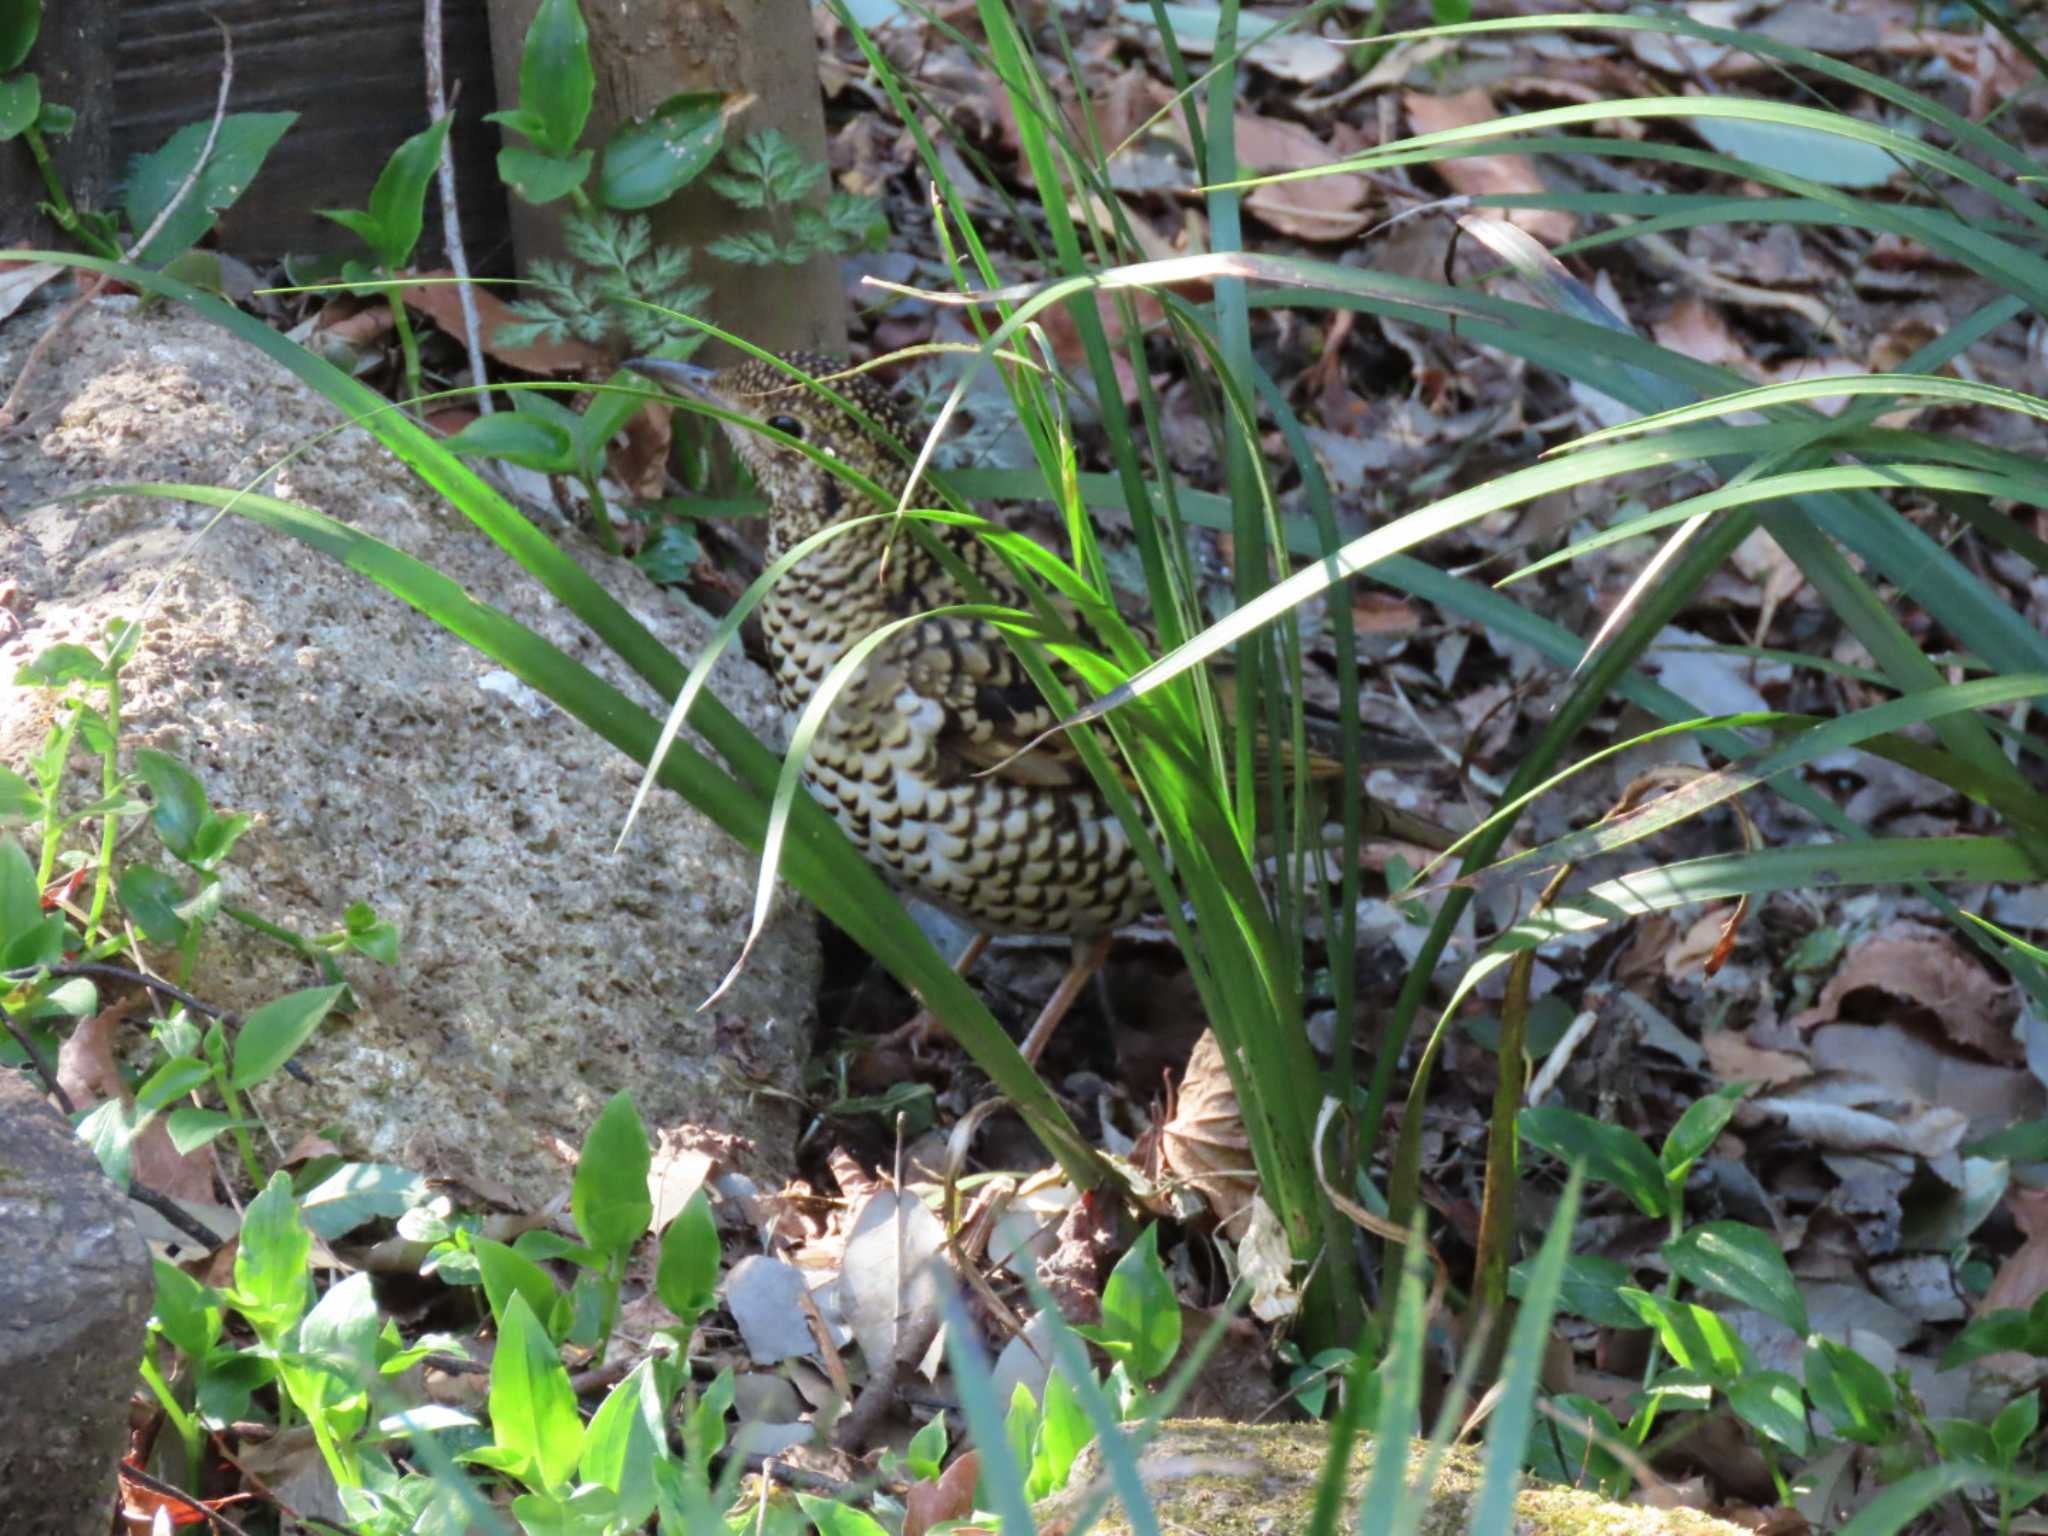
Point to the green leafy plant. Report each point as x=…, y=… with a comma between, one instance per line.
x=1710, y=1364
x=618, y=289
x=767, y=173
x=628, y=290
x=391, y=226
x=336, y=1365
x=240, y=147
x=46, y=963
x=25, y=115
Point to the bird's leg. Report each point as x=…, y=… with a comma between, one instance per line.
x=919, y=1031
x=1087, y=961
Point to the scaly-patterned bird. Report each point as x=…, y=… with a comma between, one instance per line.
x=929, y=757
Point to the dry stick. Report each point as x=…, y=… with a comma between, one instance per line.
x=177, y=1495
x=9, y=408
x=176, y=1215
x=438, y=106
x=51, y=1086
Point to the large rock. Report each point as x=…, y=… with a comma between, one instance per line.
x=1226, y=1479
x=75, y=1293
x=385, y=761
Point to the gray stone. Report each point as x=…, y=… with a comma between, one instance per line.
x=386, y=761
x=75, y=1292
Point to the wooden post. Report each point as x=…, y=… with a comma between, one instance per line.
x=645, y=51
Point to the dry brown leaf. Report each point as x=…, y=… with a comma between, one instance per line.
x=1991, y=1097
x=88, y=1071
x=1687, y=957
x=1486, y=175
x=441, y=303
x=951, y=1497
x=1321, y=208
x=1915, y=976
x=638, y=456
x=357, y=325
x=1840, y=1113
x=19, y=279
x=1698, y=330
x=1205, y=1144
x=2020, y=1281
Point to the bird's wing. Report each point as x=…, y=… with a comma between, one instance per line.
x=990, y=709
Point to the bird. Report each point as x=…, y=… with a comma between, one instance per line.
x=940, y=758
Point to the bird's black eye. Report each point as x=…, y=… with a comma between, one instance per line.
x=788, y=425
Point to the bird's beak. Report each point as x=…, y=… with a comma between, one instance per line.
x=685, y=378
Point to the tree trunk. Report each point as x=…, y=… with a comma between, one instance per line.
x=73, y=61
x=645, y=51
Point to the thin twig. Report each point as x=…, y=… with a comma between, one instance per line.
x=164, y=1490
x=51, y=1086
x=70, y=312
x=438, y=106
x=107, y=972
x=176, y=1215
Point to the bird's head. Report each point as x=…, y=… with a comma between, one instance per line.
x=803, y=494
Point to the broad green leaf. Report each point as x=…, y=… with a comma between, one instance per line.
x=648, y=160
x=1020, y=1430
x=539, y=177
x=1612, y=1154
x=272, y=1281
x=1063, y=1430
x=19, y=799
x=109, y=1130
x=358, y=1192
x=533, y=1407
x=555, y=78
x=704, y=1430
x=397, y=201
x=2024, y=1143
x=686, y=1277
x=272, y=1034
x=181, y=807
x=1697, y=1130
x=1141, y=1322
x=338, y=1341
x=60, y=664
x=2015, y=1426
x=508, y=1273
x=1855, y=1395
x=1699, y=1340
x=1965, y=1440
x=21, y=901
x=1771, y=1403
x=19, y=21
x=518, y=438
x=609, y=1197
x=187, y=1313
x=1591, y=1288
x=152, y=898
x=192, y=1127
x=21, y=103
x=926, y=1453
x=1741, y=1262
x=624, y=1440
x=172, y=1079
x=238, y=153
